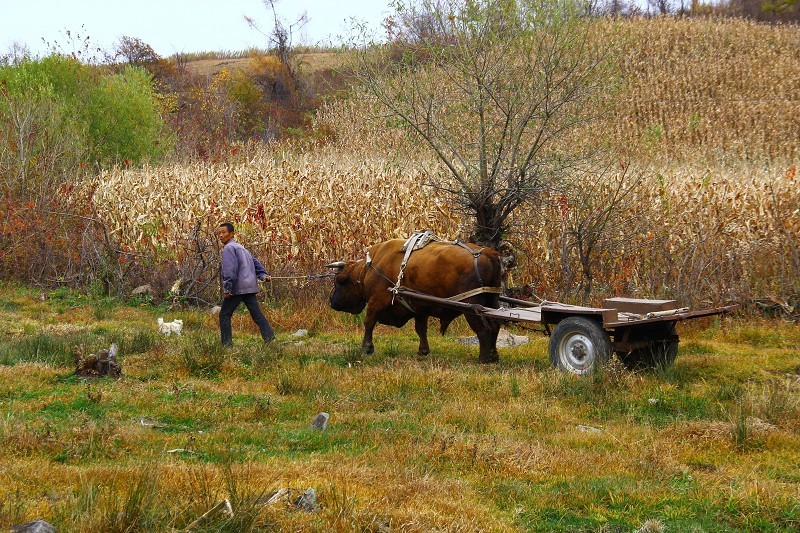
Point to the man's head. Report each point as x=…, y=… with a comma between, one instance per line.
x=225, y=232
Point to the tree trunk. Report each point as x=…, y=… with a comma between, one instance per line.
x=488, y=228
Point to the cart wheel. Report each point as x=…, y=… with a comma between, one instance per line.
x=577, y=344
x=660, y=353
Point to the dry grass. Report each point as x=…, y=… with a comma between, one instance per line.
x=310, y=63
x=413, y=444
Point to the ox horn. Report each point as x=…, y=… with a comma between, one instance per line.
x=338, y=265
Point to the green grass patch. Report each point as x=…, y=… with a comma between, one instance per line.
x=203, y=355
x=43, y=348
x=8, y=305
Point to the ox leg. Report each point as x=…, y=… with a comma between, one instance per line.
x=487, y=337
x=370, y=319
x=421, y=327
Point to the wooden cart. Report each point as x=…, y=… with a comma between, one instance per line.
x=642, y=332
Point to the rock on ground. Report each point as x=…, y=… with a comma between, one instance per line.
x=37, y=526
x=505, y=339
x=320, y=422
x=308, y=500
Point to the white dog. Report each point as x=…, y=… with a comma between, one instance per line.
x=168, y=328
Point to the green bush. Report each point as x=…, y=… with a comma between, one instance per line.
x=124, y=119
x=72, y=105
x=59, y=119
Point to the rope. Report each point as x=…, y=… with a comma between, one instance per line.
x=315, y=276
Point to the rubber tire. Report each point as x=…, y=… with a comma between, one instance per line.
x=659, y=355
x=578, y=344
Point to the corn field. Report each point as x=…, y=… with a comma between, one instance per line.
x=687, y=88
x=690, y=233
x=698, y=235
x=703, y=87
x=707, y=113
x=296, y=213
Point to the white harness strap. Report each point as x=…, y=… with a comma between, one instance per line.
x=409, y=246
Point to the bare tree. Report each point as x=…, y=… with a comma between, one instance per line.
x=597, y=224
x=492, y=87
x=281, y=39
x=134, y=51
x=16, y=54
x=619, y=8
x=661, y=7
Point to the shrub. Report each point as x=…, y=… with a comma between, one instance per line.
x=203, y=356
x=124, y=120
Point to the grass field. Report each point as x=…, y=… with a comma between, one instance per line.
x=310, y=62
x=440, y=443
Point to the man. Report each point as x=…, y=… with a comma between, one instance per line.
x=240, y=274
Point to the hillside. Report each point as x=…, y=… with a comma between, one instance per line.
x=716, y=86
x=311, y=62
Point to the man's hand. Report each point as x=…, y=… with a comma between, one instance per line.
x=228, y=295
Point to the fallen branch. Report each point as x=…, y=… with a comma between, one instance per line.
x=218, y=508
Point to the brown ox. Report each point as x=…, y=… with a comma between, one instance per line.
x=441, y=269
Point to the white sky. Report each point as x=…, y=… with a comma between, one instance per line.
x=171, y=26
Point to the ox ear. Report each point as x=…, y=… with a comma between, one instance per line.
x=338, y=265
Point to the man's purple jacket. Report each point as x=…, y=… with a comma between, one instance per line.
x=240, y=270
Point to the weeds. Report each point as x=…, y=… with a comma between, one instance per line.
x=246, y=502
x=103, y=308
x=285, y=384
x=12, y=507
x=739, y=429
x=391, y=349
x=729, y=392
x=514, y=386
x=777, y=403
x=203, y=356
x=138, y=505
x=43, y=348
x=352, y=354
x=142, y=341
x=114, y=503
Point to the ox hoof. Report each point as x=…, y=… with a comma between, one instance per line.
x=367, y=349
x=492, y=359
x=423, y=353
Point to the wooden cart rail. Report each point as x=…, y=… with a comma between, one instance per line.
x=642, y=332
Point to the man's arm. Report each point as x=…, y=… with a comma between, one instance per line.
x=261, y=272
x=230, y=269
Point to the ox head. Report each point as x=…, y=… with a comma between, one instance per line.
x=348, y=290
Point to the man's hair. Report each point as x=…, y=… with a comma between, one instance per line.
x=229, y=226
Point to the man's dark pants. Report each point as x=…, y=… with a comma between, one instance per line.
x=229, y=305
